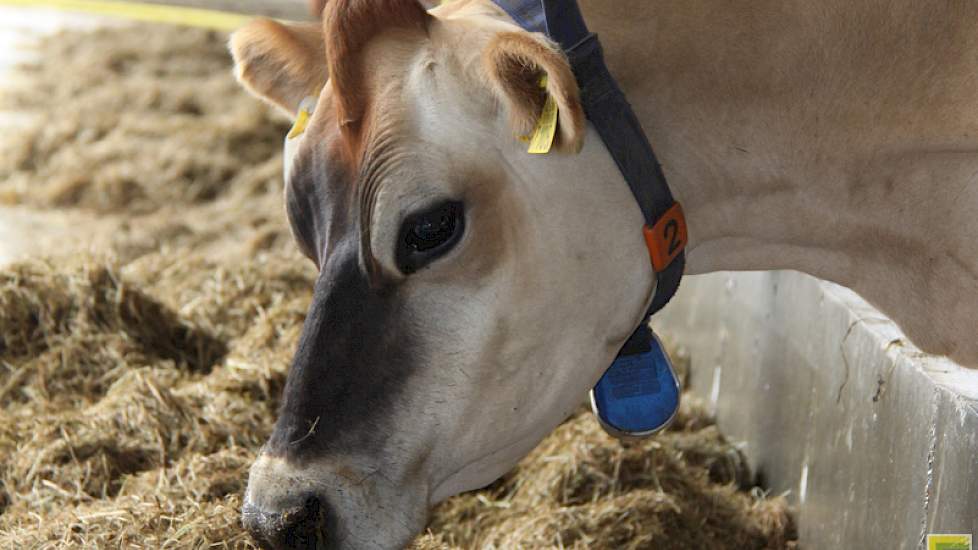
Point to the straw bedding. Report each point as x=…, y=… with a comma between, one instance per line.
x=138, y=379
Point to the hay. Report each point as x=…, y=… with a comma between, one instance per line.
x=138, y=382
x=147, y=130
x=169, y=130
x=581, y=489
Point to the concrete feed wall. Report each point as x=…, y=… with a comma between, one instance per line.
x=876, y=442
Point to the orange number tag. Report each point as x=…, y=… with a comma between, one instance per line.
x=667, y=238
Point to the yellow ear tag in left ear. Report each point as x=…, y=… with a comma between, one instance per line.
x=542, y=139
x=302, y=118
x=299, y=126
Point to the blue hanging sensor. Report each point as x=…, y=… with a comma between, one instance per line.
x=638, y=395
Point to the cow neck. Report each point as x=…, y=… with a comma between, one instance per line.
x=609, y=112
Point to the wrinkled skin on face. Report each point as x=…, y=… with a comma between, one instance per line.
x=461, y=311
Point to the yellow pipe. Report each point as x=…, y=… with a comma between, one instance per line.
x=155, y=13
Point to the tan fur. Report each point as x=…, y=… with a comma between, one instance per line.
x=280, y=63
x=349, y=26
x=515, y=63
x=835, y=138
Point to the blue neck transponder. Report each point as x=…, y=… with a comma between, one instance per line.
x=639, y=394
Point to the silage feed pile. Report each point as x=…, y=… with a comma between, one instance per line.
x=138, y=379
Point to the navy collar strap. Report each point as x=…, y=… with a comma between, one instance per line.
x=611, y=115
x=527, y=14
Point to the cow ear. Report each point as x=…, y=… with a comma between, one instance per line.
x=280, y=63
x=516, y=63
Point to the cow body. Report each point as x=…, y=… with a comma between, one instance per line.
x=470, y=293
x=836, y=139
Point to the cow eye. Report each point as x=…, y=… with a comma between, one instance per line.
x=428, y=235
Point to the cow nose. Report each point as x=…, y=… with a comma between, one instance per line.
x=296, y=528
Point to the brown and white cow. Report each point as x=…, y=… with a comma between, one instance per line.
x=470, y=294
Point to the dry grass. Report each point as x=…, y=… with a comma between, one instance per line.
x=137, y=384
x=148, y=440
x=137, y=144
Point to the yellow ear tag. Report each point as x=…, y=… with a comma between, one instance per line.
x=299, y=126
x=302, y=118
x=542, y=139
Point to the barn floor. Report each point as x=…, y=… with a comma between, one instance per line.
x=151, y=299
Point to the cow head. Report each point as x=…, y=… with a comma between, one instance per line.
x=469, y=293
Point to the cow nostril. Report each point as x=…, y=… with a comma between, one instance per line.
x=312, y=504
x=302, y=520
x=296, y=527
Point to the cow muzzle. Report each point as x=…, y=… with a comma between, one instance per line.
x=326, y=505
x=297, y=527
x=282, y=511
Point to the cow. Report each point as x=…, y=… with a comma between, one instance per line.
x=469, y=293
